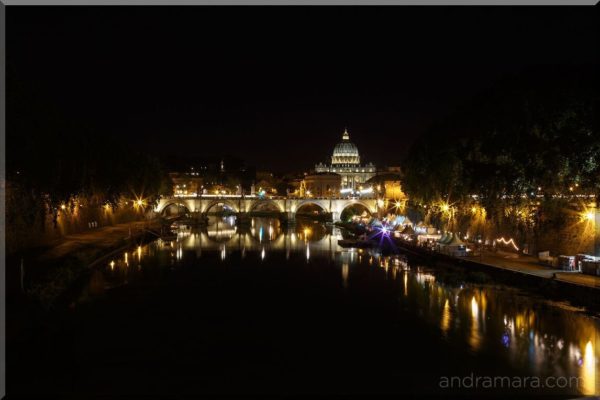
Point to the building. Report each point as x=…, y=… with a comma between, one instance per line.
x=187, y=183
x=323, y=184
x=193, y=176
x=345, y=162
x=388, y=185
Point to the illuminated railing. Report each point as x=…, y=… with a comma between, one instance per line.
x=253, y=196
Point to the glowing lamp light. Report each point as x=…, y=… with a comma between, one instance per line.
x=587, y=216
x=63, y=207
x=140, y=203
x=445, y=207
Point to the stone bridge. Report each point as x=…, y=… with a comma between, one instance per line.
x=286, y=207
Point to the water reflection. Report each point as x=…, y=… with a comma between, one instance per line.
x=532, y=335
x=589, y=370
x=475, y=337
x=445, y=324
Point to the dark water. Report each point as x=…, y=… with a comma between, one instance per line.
x=260, y=309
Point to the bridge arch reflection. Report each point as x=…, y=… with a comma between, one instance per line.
x=262, y=234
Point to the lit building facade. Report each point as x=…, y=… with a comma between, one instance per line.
x=186, y=183
x=323, y=184
x=345, y=162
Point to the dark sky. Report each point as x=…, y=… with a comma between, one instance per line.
x=277, y=85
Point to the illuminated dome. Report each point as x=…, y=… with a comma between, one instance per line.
x=345, y=152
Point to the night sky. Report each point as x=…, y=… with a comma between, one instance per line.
x=276, y=86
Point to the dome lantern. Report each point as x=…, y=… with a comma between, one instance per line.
x=345, y=136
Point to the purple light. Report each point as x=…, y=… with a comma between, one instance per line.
x=505, y=340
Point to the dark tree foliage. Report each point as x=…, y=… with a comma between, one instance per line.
x=51, y=157
x=529, y=131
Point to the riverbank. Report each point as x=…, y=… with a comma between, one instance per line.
x=521, y=270
x=42, y=277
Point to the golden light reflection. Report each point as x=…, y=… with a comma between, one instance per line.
x=446, y=316
x=306, y=232
x=424, y=277
x=345, y=270
x=483, y=307
x=405, y=283
x=588, y=373
x=475, y=337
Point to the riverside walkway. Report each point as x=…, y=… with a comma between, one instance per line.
x=100, y=238
x=519, y=263
x=528, y=265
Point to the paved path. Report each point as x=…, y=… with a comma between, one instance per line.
x=529, y=265
x=100, y=238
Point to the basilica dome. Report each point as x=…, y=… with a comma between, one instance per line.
x=345, y=152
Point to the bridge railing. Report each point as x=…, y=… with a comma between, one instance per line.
x=249, y=196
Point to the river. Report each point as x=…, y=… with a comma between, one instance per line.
x=267, y=309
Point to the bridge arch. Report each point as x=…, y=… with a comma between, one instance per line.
x=174, y=208
x=255, y=205
x=371, y=208
x=224, y=202
x=344, y=209
x=323, y=204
